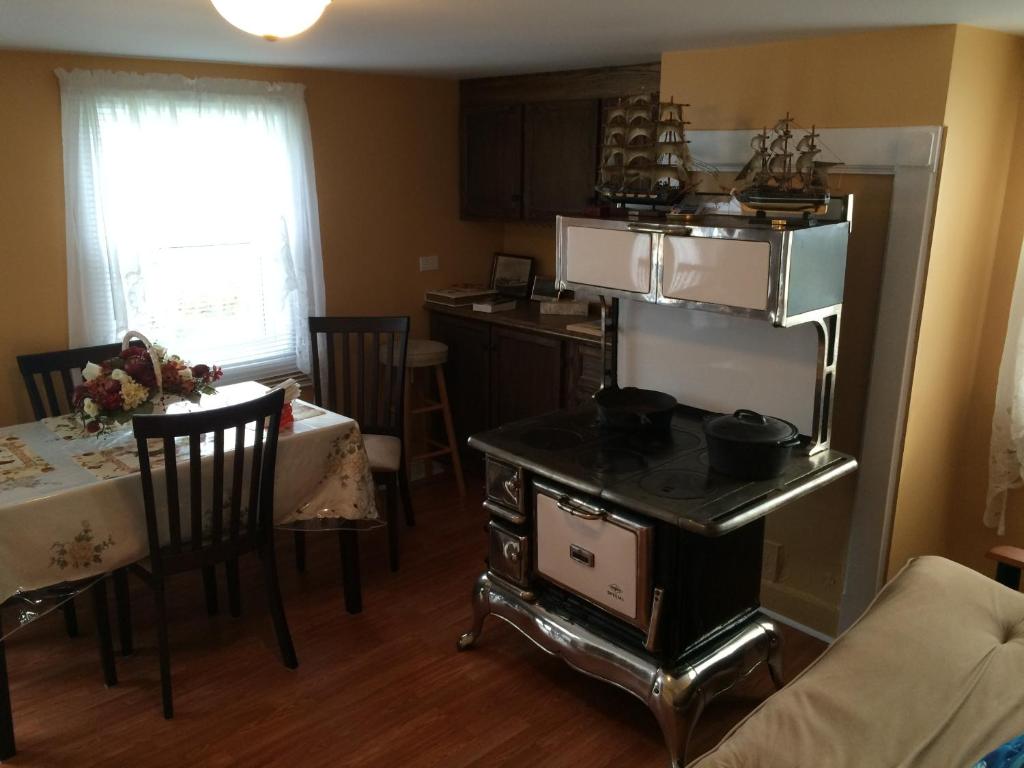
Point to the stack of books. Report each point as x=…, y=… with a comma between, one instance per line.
x=459, y=295
x=494, y=304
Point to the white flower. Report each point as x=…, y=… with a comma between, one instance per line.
x=91, y=371
x=90, y=408
x=118, y=374
x=185, y=374
x=160, y=351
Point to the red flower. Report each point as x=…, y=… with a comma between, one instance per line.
x=141, y=369
x=170, y=377
x=93, y=426
x=107, y=394
x=200, y=371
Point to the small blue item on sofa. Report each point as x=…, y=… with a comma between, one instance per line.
x=1009, y=755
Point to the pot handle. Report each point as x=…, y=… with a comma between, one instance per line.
x=752, y=416
x=791, y=443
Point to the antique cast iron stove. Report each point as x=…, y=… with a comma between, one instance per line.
x=623, y=553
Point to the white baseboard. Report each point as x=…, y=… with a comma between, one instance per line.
x=797, y=625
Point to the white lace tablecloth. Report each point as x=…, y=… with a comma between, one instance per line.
x=71, y=503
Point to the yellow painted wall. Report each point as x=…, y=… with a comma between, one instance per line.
x=865, y=80
x=386, y=155
x=976, y=246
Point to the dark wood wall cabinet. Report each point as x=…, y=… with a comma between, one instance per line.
x=529, y=144
x=497, y=373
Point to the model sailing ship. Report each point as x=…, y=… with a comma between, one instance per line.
x=644, y=156
x=777, y=181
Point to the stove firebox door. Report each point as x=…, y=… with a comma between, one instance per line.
x=602, y=556
x=509, y=554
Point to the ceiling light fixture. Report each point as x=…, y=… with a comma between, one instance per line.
x=272, y=19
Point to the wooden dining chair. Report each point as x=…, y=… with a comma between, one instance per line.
x=210, y=535
x=55, y=376
x=364, y=378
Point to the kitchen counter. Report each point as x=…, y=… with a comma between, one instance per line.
x=526, y=317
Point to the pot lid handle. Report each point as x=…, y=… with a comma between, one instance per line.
x=752, y=417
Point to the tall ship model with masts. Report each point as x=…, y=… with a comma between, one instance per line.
x=783, y=175
x=645, y=158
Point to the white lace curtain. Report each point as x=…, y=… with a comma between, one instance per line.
x=1006, y=457
x=192, y=216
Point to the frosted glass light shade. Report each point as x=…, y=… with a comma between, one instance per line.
x=272, y=19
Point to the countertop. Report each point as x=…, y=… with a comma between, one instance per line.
x=525, y=317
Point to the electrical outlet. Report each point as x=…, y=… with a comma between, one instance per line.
x=429, y=263
x=771, y=563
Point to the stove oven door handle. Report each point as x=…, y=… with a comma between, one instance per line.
x=579, y=509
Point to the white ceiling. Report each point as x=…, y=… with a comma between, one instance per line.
x=469, y=37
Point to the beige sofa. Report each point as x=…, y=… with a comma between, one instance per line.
x=932, y=675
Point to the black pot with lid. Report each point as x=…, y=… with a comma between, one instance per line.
x=749, y=446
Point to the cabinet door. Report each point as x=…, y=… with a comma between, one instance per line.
x=733, y=273
x=609, y=258
x=582, y=372
x=559, y=157
x=466, y=374
x=492, y=162
x=526, y=375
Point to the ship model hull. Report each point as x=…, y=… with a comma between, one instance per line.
x=771, y=199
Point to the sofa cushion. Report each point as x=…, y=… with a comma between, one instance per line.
x=931, y=675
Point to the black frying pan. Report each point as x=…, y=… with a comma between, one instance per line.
x=632, y=408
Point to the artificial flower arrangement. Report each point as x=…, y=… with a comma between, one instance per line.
x=116, y=389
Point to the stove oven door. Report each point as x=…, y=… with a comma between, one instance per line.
x=604, y=557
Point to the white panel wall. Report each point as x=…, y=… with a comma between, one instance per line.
x=719, y=362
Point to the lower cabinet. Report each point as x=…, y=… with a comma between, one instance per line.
x=526, y=375
x=497, y=374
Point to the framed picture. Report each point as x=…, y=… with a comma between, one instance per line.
x=512, y=275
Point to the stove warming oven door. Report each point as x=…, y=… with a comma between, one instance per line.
x=601, y=555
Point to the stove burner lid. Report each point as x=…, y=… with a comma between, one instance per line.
x=675, y=484
x=612, y=461
x=551, y=438
x=650, y=442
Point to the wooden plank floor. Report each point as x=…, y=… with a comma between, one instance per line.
x=383, y=688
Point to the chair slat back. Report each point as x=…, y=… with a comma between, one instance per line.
x=365, y=377
x=209, y=528
x=67, y=366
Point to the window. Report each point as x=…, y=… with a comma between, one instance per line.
x=192, y=217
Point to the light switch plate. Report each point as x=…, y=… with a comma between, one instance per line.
x=429, y=263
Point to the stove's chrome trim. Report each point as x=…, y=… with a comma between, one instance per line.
x=504, y=513
x=676, y=695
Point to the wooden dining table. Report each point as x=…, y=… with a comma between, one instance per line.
x=71, y=502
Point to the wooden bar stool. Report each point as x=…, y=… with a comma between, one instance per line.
x=425, y=353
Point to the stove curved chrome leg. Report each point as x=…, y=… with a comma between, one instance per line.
x=481, y=608
x=774, y=658
x=677, y=704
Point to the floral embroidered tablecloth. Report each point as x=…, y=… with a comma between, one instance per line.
x=71, y=502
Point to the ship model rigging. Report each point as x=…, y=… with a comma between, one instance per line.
x=783, y=175
x=645, y=158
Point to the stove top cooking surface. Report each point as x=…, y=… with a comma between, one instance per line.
x=661, y=473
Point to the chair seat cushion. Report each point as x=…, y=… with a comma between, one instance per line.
x=425, y=352
x=930, y=675
x=384, y=452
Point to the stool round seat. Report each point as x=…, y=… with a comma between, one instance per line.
x=423, y=353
